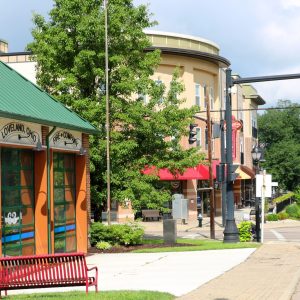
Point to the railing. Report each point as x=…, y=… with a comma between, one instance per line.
x=283, y=201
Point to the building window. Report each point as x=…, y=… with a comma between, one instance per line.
x=254, y=123
x=242, y=150
x=206, y=139
x=159, y=82
x=64, y=203
x=211, y=97
x=198, y=137
x=17, y=192
x=205, y=96
x=197, y=94
x=240, y=114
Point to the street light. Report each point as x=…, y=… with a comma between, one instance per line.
x=107, y=109
x=257, y=155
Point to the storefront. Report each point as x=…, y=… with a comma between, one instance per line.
x=44, y=163
x=193, y=183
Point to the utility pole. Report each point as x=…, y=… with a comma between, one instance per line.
x=223, y=157
x=231, y=234
x=223, y=163
x=211, y=179
x=107, y=115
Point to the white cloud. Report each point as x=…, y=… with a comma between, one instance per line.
x=273, y=91
x=278, y=35
x=288, y=4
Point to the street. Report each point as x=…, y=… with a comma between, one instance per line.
x=283, y=231
x=284, y=234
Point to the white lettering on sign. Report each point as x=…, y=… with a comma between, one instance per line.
x=66, y=139
x=18, y=132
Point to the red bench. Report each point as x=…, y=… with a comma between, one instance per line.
x=42, y=271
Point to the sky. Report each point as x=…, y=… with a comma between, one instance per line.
x=258, y=37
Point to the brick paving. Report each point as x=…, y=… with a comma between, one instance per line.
x=271, y=272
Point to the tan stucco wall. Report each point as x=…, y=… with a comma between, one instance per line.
x=192, y=71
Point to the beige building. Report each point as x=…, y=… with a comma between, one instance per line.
x=245, y=101
x=202, y=73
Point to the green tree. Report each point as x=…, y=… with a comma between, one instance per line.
x=280, y=131
x=69, y=50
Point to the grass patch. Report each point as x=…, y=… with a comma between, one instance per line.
x=195, y=245
x=107, y=295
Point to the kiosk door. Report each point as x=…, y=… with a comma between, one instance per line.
x=64, y=203
x=17, y=194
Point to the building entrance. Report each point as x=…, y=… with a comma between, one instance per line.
x=64, y=203
x=203, y=197
x=17, y=194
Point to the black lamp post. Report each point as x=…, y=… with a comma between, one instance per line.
x=231, y=233
x=256, y=154
x=257, y=157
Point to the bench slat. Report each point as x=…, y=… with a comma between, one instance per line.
x=45, y=271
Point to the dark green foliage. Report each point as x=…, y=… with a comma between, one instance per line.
x=272, y=217
x=297, y=195
x=69, y=50
x=282, y=215
x=293, y=211
x=245, y=231
x=280, y=131
x=117, y=234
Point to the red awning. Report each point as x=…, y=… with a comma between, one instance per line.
x=200, y=172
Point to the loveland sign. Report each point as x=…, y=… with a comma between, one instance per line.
x=18, y=132
x=66, y=139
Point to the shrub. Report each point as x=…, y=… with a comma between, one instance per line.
x=120, y=234
x=282, y=215
x=293, y=211
x=98, y=233
x=103, y=245
x=272, y=217
x=245, y=231
x=297, y=195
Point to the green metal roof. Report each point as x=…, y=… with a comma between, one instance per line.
x=22, y=100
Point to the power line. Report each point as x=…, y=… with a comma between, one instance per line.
x=250, y=109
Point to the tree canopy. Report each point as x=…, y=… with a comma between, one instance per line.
x=280, y=131
x=69, y=50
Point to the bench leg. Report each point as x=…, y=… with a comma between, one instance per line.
x=5, y=293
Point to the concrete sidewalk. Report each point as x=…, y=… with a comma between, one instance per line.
x=177, y=273
x=271, y=272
